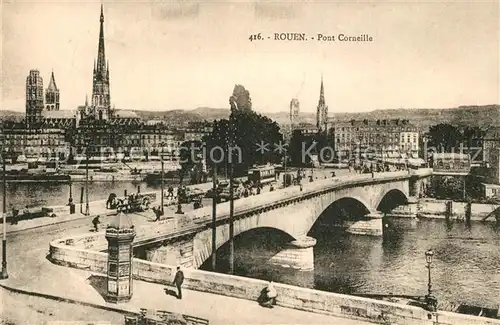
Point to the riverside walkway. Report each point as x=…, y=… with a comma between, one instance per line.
x=31, y=273
x=95, y=208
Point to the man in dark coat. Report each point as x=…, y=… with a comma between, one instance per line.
x=95, y=222
x=178, y=280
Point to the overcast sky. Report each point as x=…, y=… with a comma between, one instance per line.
x=170, y=55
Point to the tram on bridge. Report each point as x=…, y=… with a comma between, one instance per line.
x=262, y=174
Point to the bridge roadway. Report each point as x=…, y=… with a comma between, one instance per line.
x=201, y=219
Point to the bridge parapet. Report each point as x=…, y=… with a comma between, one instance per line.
x=200, y=218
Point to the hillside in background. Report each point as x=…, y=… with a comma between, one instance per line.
x=11, y=115
x=481, y=116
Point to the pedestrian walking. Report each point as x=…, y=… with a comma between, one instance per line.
x=96, y=222
x=178, y=280
x=157, y=211
x=15, y=213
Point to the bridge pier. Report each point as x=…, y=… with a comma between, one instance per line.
x=371, y=225
x=409, y=210
x=416, y=187
x=298, y=254
x=174, y=253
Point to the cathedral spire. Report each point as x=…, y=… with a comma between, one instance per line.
x=101, y=57
x=86, y=100
x=321, y=93
x=322, y=110
x=52, y=83
x=101, y=101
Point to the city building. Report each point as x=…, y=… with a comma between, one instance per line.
x=451, y=163
x=385, y=139
x=491, y=142
x=491, y=155
x=322, y=110
x=34, y=98
x=492, y=179
x=94, y=129
x=197, y=130
x=21, y=143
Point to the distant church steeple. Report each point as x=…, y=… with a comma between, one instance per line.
x=100, y=91
x=322, y=110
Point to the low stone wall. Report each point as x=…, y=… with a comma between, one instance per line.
x=76, y=257
x=246, y=288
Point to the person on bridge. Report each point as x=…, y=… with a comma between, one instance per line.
x=178, y=280
x=96, y=222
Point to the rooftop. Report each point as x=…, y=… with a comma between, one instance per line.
x=125, y=114
x=62, y=114
x=450, y=155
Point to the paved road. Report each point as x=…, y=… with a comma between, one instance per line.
x=21, y=309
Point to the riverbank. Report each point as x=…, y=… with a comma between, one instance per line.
x=64, y=252
x=439, y=209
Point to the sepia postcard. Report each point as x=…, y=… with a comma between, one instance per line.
x=250, y=162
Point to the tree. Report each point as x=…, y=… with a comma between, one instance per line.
x=250, y=130
x=190, y=157
x=241, y=98
x=444, y=137
x=302, y=146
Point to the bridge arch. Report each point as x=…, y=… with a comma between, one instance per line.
x=337, y=209
x=391, y=198
x=202, y=242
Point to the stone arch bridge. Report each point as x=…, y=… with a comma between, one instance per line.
x=289, y=210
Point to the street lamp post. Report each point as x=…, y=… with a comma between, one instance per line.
x=214, y=216
x=4, y=274
x=230, y=146
x=87, y=157
x=180, y=191
x=284, y=177
x=430, y=300
x=161, y=194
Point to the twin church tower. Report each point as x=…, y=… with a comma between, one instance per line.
x=100, y=107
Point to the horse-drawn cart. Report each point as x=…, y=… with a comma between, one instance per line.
x=138, y=203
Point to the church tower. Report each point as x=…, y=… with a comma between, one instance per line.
x=322, y=110
x=294, y=112
x=34, y=98
x=52, y=95
x=101, y=102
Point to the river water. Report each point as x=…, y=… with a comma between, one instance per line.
x=465, y=267
x=36, y=194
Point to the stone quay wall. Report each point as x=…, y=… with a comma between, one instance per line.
x=437, y=209
x=64, y=252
